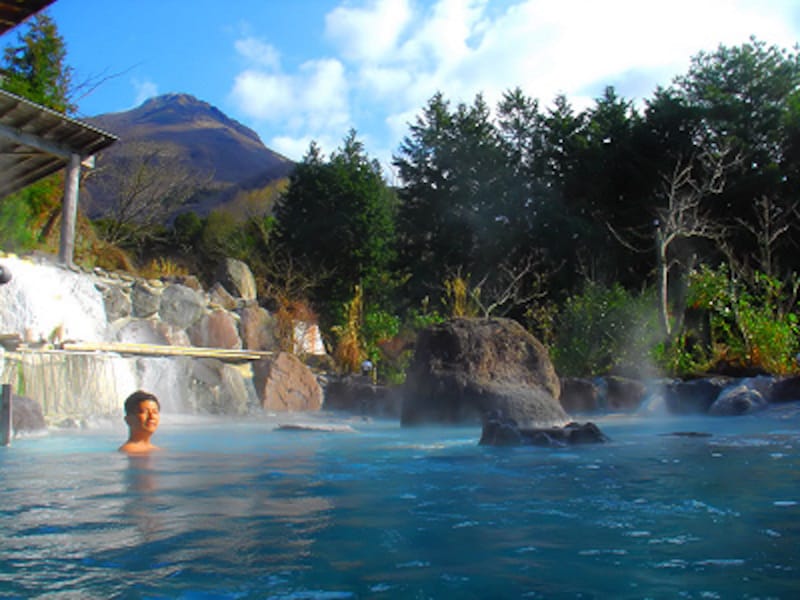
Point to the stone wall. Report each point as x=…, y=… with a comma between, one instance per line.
x=46, y=305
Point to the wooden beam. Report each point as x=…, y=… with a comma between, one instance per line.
x=158, y=350
x=34, y=141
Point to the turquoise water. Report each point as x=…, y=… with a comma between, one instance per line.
x=237, y=509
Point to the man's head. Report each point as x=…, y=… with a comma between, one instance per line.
x=132, y=402
x=142, y=412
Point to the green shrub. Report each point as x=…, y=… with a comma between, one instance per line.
x=749, y=326
x=15, y=218
x=603, y=330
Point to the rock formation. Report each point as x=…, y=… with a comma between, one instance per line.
x=464, y=368
x=45, y=305
x=284, y=383
x=501, y=431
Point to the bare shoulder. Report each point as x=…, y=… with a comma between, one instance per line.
x=137, y=448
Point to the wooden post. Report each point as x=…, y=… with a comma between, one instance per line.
x=69, y=209
x=6, y=408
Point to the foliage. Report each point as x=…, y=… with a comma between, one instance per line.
x=287, y=313
x=225, y=236
x=452, y=202
x=162, y=267
x=744, y=98
x=349, y=351
x=35, y=67
x=459, y=297
x=748, y=326
x=15, y=231
x=394, y=339
x=28, y=216
x=337, y=220
x=605, y=329
x=682, y=355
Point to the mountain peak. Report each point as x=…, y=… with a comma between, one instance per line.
x=175, y=108
x=205, y=138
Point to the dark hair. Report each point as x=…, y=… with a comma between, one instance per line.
x=132, y=402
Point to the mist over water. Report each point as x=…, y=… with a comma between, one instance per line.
x=238, y=509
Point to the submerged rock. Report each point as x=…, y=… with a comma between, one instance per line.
x=323, y=427
x=502, y=431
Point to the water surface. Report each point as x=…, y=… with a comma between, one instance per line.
x=236, y=509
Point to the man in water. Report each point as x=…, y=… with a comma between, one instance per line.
x=142, y=416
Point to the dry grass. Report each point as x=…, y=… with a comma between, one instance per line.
x=349, y=352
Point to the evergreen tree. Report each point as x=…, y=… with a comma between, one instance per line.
x=35, y=67
x=453, y=213
x=337, y=217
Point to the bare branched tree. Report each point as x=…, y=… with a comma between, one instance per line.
x=142, y=187
x=683, y=216
x=772, y=222
x=513, y=285
x=771, y=225
x=283, y=278
x=509, y=286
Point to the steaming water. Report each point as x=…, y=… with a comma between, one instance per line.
x=240, y=510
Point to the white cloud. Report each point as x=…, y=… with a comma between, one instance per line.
x=294, y=148
x=143, y=90
x=262, y=95
x=258, y=52
x=367, y=34
x=303, y=105
x=390, y=56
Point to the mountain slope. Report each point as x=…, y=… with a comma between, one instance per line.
x=207, y=141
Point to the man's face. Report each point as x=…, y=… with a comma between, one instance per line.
x=145, y=418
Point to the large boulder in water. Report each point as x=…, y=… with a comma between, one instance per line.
x=26, y=415
x=284, y=383
x=464, y=368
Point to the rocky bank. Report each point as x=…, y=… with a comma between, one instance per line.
x=47, y=309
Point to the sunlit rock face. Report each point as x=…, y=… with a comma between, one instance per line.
x=43, y=302
x=464, y=368
x=283, y=383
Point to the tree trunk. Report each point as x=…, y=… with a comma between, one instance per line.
x=662, y=268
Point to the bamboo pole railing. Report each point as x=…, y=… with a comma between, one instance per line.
x=159, y=350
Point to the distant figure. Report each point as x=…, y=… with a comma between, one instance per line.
x=142, y=416
x=366, y=367
x=5, y=275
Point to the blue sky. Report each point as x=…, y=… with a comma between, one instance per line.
x=302, y=70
